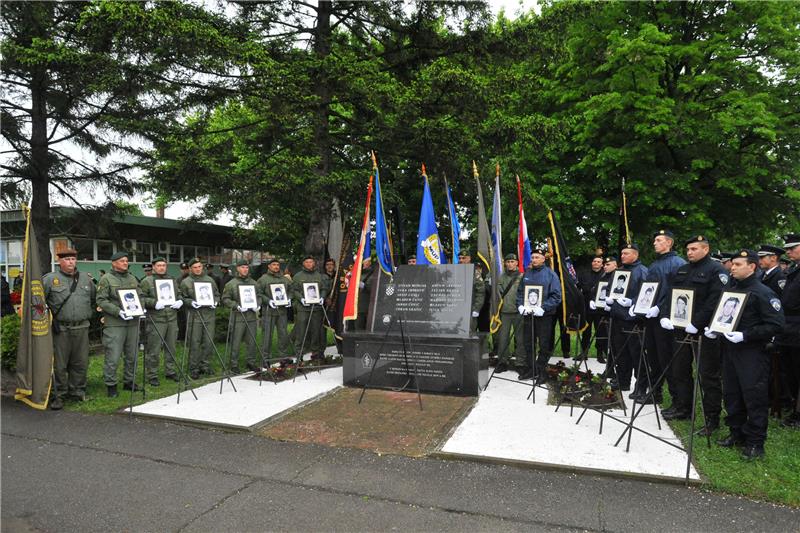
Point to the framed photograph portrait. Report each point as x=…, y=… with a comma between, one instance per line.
x=647, y=296
x=129, y=301
x=165, y=291
x=311, y=293
x=279, y=296
x=619, y=284
x=247, y=297
x=204, y=293
x=533, y=297
x=728, y=312
x=601, y=294
x=680, y=313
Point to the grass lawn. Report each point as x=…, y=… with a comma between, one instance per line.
x=775, y=478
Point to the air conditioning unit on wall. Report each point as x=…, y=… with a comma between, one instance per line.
x=163, y=247
x=129, y=245
x=219, y=250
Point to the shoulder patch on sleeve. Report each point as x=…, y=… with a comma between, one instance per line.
x=723, y=278
x=781, y=283
x=776, y=304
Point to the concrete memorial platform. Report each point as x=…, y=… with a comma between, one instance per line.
x=505, y=427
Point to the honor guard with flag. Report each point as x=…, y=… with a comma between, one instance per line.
x=510, y=319
x=307, y=315
x=658, y=341
x=275, y=316
x=746, y=363
x=199, y=341
x=707, y=279
x=538, y=322
x=120, y=330
x=164, y=324
x=243, y=322
x=70, y=295
x=429, y=248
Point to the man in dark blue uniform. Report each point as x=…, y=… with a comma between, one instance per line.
x=587, y=280
x=771, y=274
x=658, y=340
x=745, y=360
x=600, y=314
x=707, y=279
x=541, y=326
x=789, y=339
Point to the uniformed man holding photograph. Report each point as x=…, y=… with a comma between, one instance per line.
x=200, y=341
x=70, y=296
x=274, y=315
x=307, y=315
x=120, y=330
x=244, y=322
x=162, y=323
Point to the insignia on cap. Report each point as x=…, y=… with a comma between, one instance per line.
x=776, y=304
x=723, y=278
x=661, y=232
x=743, y=254
x=700, y=238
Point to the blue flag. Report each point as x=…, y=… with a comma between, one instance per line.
x=429, y=250
x=383, y=245
x=497, y=233
x=455, y=228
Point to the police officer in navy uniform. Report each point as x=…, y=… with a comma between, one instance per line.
x=745, y=360
x=771, y=274
x=627, y=346
x=542, y=327
x=707, y=279
x=600, y=315
x=658, y=341
x=789, y=339
x=587, y=281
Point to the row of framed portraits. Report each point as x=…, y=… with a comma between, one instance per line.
x=204, y=295
x=725, y=318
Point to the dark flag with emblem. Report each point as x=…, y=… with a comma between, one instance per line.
x=485, y=248
x=573, y=311
x=35, y=350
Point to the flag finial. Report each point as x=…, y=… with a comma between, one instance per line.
x=497, y=170
x=374, y=161
x=474, y=169
x=424, y=173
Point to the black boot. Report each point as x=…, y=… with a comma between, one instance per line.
x=111, y=391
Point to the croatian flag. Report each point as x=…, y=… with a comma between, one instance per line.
x=523, y=243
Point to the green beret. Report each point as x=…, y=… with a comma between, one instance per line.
x=119, y=255
x=309, y=256
x=242, y=262
x=464, y=253
x=159, y=260
x=511, y=257
x=194, y=262
x=272, y=260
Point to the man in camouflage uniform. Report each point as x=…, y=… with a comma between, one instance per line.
x=200, y=342
x=274, y=316
x=509, y=316
x=307, y=316
x=243, y=322
x=120, y=330
x=163, y=323
x=70, y=295
x=329, y=278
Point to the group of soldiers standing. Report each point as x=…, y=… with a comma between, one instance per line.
x=734, y=368
x=72, y=298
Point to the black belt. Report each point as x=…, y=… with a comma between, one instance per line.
x=69, y=324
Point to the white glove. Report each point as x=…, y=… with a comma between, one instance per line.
x=475, y=314
x=240, y=309
x=691, y=329
x=609, y=301
x=159, y=306
x=538, y=311
x=214, y=305
x=625, y=302
x=734, y=336
x=592, y=305
x=288, y=302
x=196, y=305
x=710, y=334
x=666, y=323
x=360, y=284
x=303, y=301
x=521, y=310
x=652, y=312
x=630, y=311
x=178, y=304
x=272, y=305
x=607, y=308
x=123, y=316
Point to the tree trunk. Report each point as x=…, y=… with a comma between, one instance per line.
x=40, y=159
x=318, y=225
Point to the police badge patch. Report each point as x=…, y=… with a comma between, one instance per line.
x=776, y=304
x=723, y=278
x=781, y=283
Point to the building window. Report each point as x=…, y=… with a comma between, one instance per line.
x=105, y=249
x=85, y=248
x=144, y=251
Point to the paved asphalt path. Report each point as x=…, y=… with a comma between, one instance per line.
x=71, y=472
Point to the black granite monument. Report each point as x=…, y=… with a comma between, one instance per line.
x=431, y=306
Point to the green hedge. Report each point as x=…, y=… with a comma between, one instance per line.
x=9, y=337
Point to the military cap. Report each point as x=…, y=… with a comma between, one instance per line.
x=194, y=261
x=159, y=260
x=665, y=233
x=224, y=265
x=792, y=240
x=767, y=249
x=147, y=266
x=272, y=260
x=69, y=252
x=610, y=258
x=463, y=253
x=209, y=265
x=119, y=255
x=242, y=262
x=716, y=257
x=412, y=256
x=697, y=238
x=308, y=256
x=184, y=265
x=725, y=256
x=750, y=255
x=631, y=246
x=785, y=261
x=511, y=257
x=538, y=249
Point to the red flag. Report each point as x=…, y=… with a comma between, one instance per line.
x=523, y=242
x=351, y=302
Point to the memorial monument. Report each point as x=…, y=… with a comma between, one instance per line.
x=418, y=327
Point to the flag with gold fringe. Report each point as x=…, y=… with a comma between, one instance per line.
x=351, y=301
